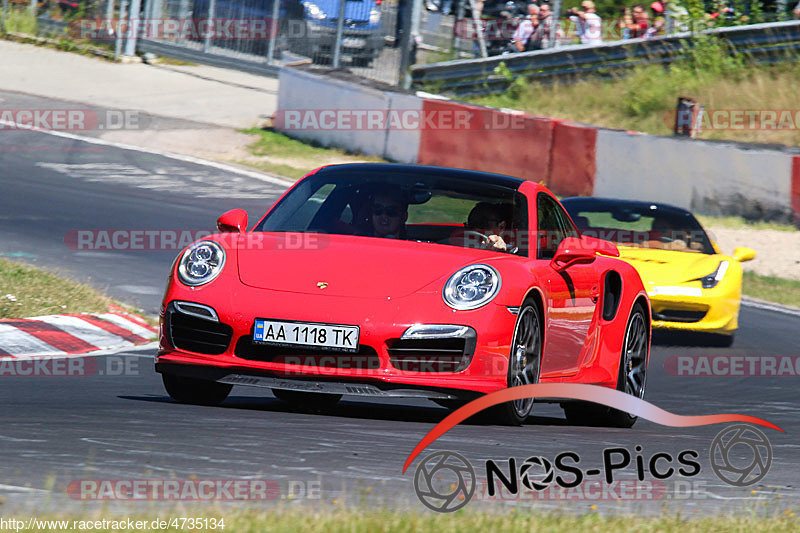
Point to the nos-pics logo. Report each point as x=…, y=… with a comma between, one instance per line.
x=445, y=481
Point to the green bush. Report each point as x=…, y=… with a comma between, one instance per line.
x=20, y=20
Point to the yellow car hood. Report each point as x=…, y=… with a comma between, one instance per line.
x=668, y=267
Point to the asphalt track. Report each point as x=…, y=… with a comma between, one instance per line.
x=112, y=425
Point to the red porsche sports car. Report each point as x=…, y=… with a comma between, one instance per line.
x=387, y=280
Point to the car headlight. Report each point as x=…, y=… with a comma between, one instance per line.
x=711, y=280
x=374, y=16
x=201, y=263
x=314, y=11
x=471, y=287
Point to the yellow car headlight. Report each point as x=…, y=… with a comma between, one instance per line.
x=712, y=280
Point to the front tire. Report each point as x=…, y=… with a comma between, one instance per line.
x=721, y=340
x=195, y=391
x=631, y=379
x=524, y=365
x=307, y=400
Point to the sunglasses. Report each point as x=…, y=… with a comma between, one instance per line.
x=389, y=210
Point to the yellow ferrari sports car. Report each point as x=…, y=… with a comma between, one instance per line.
x=692, y=285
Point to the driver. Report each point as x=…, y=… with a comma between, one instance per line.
x=491, y=220
x=388, y=214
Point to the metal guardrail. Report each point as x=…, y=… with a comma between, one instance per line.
x=215, y=58
x=769, y=42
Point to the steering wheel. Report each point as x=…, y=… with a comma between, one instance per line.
x=474, y=233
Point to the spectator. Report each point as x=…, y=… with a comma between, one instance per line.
x=678, y=15
x=526, y=37
x=587, y=22
x=656, y=29
x=640, y=22
x=624, y=23
x=476, y=15
x=400, y=27
x=545, y=24
x=797, y=11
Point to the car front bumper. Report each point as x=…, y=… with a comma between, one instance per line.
x=382, y=367
x=708, y=310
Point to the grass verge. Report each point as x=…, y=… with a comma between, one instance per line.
x=771, y=288
x=347, y=521
x=27, y=291
x=646, y=99
x=742, y=223
x=279, y=154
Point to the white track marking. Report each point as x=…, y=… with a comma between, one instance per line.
x=18, y=342
x=15, y=488
x=169, y=179
x=100, y=353
x=129, y=325
x=139, y=289
x=84, y=331
x=758, y=304
x=178, y=157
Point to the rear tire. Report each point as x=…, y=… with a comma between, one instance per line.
x=307, y=400
x=195, y=391
x=631, y=379
x=524, y=364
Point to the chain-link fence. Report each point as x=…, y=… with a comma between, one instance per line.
x=377, y=39
x=232, y=32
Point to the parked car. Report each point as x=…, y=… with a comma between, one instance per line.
x=307, y=28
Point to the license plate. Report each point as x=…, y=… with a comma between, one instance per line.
x=325, y=336
x=351, y=42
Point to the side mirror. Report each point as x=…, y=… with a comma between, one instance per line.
x=742, y=254
x=601, y=246
x=234, y=221
x=573, y=250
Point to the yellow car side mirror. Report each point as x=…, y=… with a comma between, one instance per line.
x=742, y=254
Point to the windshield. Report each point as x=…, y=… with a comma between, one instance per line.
x=426, y=208
x=639, y=225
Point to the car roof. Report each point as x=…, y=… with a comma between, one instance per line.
x=593, y=201
x=398, y=168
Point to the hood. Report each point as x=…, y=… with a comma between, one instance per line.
x=666, y=267
x=350, y=266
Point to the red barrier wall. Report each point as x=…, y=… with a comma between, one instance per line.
x=572, y=160
x=493, y=141
x=795, y=199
